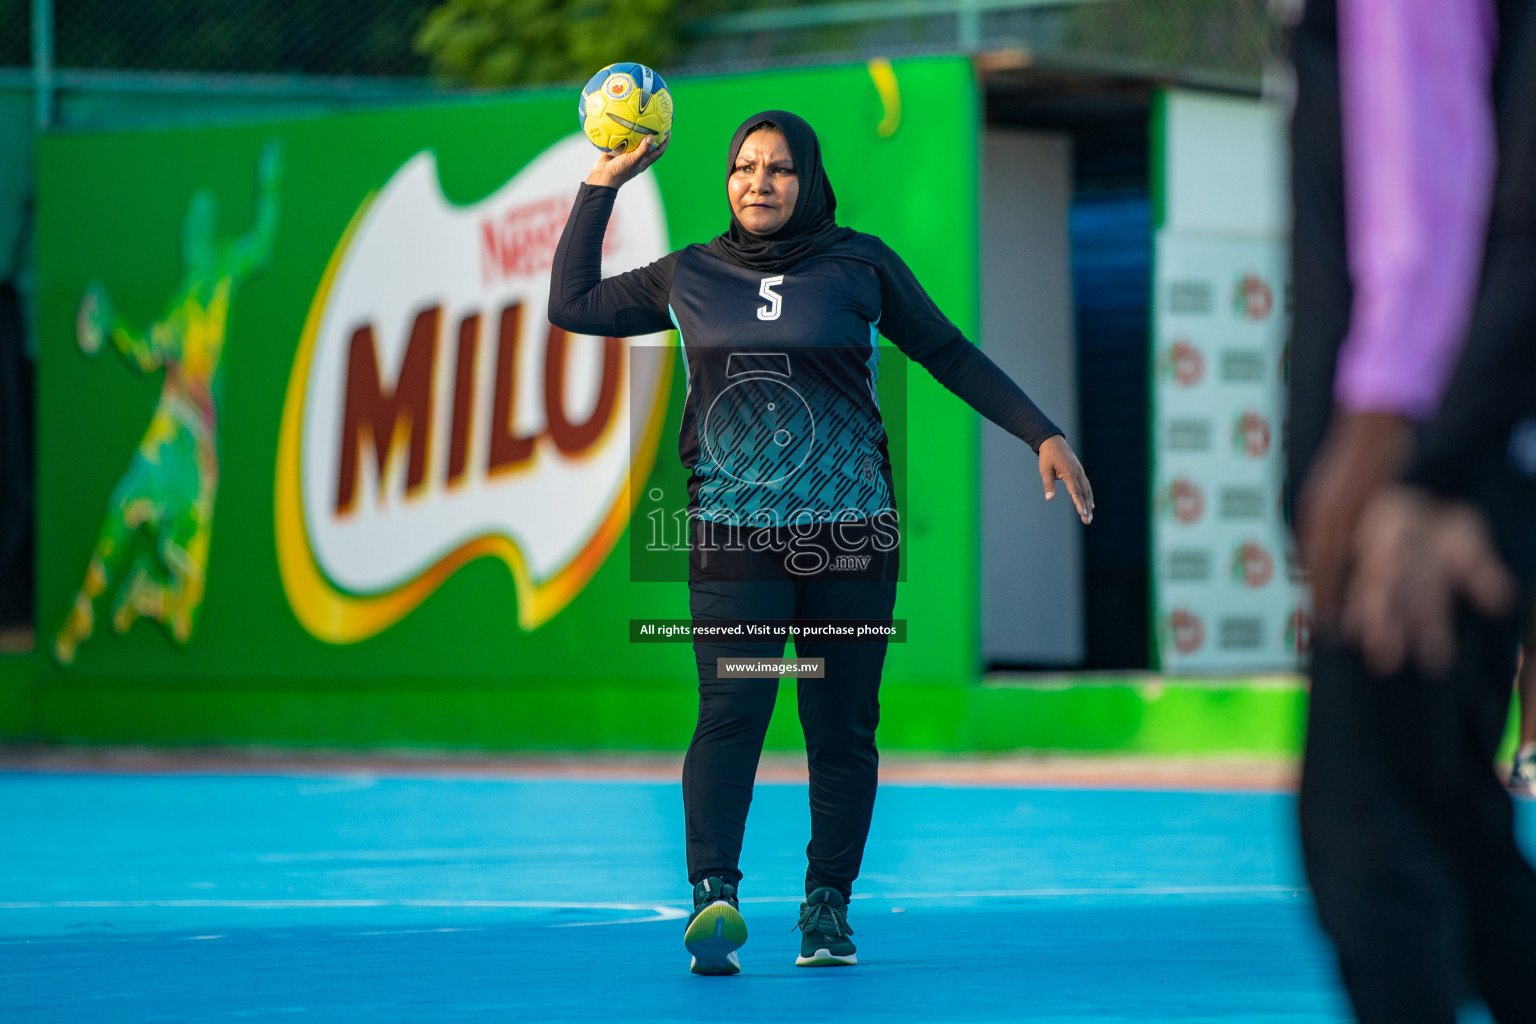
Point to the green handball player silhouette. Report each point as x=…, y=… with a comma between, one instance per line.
x=152, y=551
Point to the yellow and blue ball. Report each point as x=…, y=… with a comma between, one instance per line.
x=623, y=104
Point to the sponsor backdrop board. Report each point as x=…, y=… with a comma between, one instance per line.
x=1225, y=589
x=304, y=426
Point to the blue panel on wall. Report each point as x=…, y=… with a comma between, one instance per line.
x=1111, y=280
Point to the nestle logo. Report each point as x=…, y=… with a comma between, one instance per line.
x=521, y=241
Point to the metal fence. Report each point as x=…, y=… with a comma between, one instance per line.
x=376, y=37
x=309, y=37
x=244, y=36
x=15, y=33
x=1175, y=38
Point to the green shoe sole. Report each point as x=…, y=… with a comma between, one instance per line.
x=713, y=938
x=826, y=958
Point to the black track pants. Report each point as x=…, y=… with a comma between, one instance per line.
x=1408, y=835
x=838, y=713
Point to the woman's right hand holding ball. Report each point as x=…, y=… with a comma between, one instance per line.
x=614, y=169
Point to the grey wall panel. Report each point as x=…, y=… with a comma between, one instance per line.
x=1032, y=555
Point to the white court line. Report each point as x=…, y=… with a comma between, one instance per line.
x=984, y=894
x=1140, y=890
x=655, y=912
x=648, y=912
x=328, y=786
x=425, y=853
x=422, y=931
x=171, y=904
x=664, y=910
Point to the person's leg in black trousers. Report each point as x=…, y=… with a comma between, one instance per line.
x=1501, y=882
x=721, y=764
x=839, y=714
x=1407, y=834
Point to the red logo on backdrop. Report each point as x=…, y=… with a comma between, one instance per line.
x=1253, y=298
x=1298, y=631
x=1186, y=363
x=1251, y=435
x=1186, y=500
x=521, y=241
x=1187, y=629
x=1252, y=565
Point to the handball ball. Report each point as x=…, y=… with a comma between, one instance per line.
x=622, y=104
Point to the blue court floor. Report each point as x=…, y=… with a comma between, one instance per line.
x=361, y=897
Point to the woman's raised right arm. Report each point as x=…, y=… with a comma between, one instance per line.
x=581, y=300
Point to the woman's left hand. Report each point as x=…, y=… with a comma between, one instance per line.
x=1059, y=462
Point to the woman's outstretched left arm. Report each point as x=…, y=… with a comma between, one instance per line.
x=911, y=319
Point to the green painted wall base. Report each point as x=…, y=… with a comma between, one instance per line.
x=1144, y=714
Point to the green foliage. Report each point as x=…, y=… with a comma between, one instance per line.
x=517, y=42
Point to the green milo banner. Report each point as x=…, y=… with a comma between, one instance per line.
x=305, y=426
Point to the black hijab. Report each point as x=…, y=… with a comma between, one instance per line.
x=811, y=228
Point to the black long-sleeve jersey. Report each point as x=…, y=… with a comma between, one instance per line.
x=782, y=418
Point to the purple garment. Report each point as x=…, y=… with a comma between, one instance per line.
x=1419, y=155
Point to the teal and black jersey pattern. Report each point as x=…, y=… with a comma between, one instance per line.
x=782, y=419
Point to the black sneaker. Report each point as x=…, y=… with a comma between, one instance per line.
x=824, y=941
x=716, y=928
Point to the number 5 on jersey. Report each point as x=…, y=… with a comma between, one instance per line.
x=775, y=300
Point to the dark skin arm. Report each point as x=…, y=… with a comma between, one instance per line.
x=1415, y=557
x=1362, y=454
